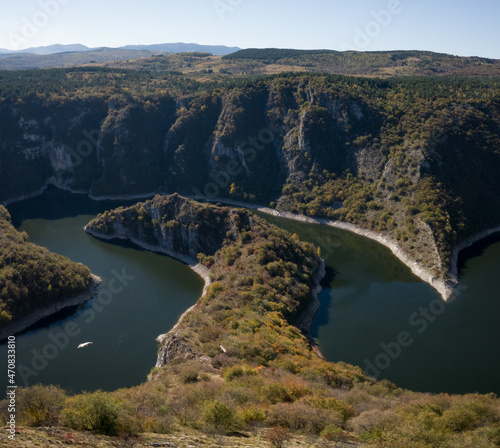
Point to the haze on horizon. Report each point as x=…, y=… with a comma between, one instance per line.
x=451, y=26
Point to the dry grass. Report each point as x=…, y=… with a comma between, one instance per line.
x=46, y=437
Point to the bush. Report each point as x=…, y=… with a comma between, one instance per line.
x=372, y=420
x=252, y=414
x=466, y=415
x=301, y=417
x=276, y=393
x=218, y=416
x=188, y=374
x=98, y=411
x=40, y=405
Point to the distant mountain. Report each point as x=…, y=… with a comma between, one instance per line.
x=181, y=47
x=57, y=48
x=24, y=61
x=178, y=47
x=50, y=49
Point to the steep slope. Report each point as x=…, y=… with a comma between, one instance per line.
x=415, y=160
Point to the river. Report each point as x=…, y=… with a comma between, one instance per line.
x=370, y=299
x=123, y=332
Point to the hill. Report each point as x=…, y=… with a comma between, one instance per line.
x=76, y=55
x=413, y=159
x=32, y=278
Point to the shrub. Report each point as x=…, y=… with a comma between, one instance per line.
x=218, y=415
x=40, y=405
x=331, y=432
x=466, y=415
x=301, y=417
x=98, y=411
x=233, y=372
x=370, y=421
x=252, y=414
x=276, y=393
x=493, y=434
x=188, y=374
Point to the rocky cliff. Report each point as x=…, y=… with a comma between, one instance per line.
x=413, y=160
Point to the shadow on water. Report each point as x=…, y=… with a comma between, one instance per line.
x=59, y=204
x=476, y=250
x=325, y=299
x=150, y=292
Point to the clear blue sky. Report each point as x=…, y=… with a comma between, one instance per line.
x=461, y=27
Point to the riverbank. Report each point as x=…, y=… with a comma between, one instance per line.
x=28, y=321
x=200, y=269
x=305, y=320
x=445, y=287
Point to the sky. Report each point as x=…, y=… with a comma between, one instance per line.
x=460, y=27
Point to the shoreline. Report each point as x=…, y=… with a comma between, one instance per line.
x=198, y=268
x=28, y=321
x=444, y=287
x=303, y=322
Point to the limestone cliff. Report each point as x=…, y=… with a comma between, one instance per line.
x=414, y=161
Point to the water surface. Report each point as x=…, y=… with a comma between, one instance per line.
x=370, y=298
x=123, y=329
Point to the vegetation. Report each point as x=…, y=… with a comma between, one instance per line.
x=413, y=158
x=247, y=370
x=31, y=277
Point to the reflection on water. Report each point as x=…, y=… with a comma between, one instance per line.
x=371, y=298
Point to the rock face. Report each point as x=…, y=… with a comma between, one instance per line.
x=427, y=180
x=170, y=224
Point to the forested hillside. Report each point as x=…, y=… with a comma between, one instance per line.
x=31, y=277
x=415, y=158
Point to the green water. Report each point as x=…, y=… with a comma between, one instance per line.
x=371, y=298
x=123, y=329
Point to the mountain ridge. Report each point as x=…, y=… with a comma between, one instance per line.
x=176, y=47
